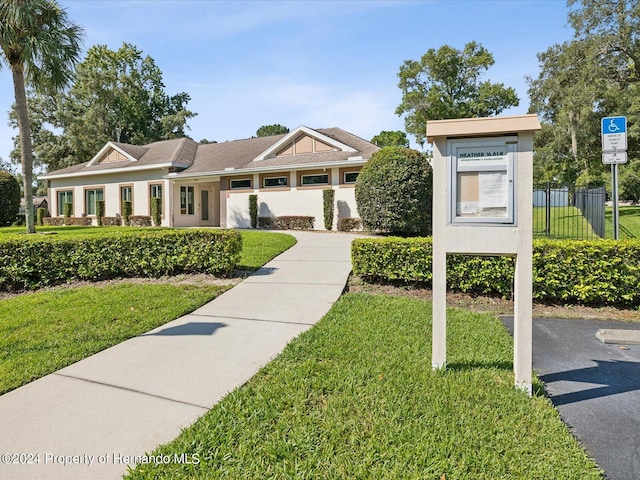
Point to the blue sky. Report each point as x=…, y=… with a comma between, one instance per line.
x=314, y=63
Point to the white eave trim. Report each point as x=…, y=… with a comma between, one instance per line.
x=107, y=146
x=309, y=131
x=276, y=168
x=112, y=170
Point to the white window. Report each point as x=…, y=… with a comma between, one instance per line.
x=240, y=183
x=91, y=197
x=156, y=191
x=350, y=177
x=64, y=197
x=268, y=182
x=187, y=195
x=316, y=179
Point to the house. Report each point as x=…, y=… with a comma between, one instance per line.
x=210, y=184
x=38, y=202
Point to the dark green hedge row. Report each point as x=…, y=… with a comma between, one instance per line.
x=37, y=261
x=603, y=272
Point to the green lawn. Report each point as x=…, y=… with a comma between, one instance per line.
x=629, y=222
x=260, y=247
x=355, y=397
x=44, y=331
x=566, y=222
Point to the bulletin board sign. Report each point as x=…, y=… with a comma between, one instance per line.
x=483, y=205
x=481, y=173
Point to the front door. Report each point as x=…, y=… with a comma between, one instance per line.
x=204, y=205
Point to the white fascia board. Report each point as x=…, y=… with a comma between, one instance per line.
x=309, y=131
x=113, y=170
x=277, y=168
x=105, y=148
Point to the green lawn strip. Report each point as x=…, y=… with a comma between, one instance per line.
x=73, y=231
x=566, y=222
x=355, y=397
x=260, y=247
x=45, y=331
x=629, y=222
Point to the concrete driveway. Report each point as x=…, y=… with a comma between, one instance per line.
x=595, y=387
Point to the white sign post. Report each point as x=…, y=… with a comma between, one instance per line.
x=614, y=152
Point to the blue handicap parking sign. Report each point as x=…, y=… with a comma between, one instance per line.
x=614, y=125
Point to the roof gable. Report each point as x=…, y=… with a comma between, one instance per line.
x=113, y=152
x=303, y=140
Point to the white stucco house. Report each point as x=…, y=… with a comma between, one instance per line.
x=210, y=184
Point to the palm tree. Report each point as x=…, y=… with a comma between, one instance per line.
x=40, y=46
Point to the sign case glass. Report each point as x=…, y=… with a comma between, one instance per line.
x=481, y=180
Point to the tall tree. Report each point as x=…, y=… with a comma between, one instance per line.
x=268, y=130
x=567, y=95
x=116, y=95
x=447, y=83
x=597, y=74
x=41, y=46
x=5, y=166
x=388, y=138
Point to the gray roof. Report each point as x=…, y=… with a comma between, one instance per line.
x=240, y=154
x=216, y=157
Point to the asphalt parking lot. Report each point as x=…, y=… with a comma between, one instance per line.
x=595, y=387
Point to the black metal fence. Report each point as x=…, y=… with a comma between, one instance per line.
x=568, y=212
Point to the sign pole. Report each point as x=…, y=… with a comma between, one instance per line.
x=614, y=191
x=614, y=151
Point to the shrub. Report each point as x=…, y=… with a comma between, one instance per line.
x=394, y=192
x=40, y=214
x=140, y=220
x=99, y=211
x=603, y=272
x=77, y=221
x=53, y=221
x=19, y=221
x=268, y=223
x=348, y=224
x=295, y=223
x=328, y=207
x=9, y=198
x=156, y=211
x=68, y=209
x=253, y=210
x=105, y=256
x=111, y=221
x=127, y=210
x=630, y=182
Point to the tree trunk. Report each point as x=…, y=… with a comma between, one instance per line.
x=25, y=143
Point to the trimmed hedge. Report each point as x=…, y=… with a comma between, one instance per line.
x=139, y=220
x=156, y=211
x=268, y=223
x=253, y=210
x=111, y=221
x=295, y=223
x=40, y=214
x=59, y=221
x=328, y=207
x=37, y=261
x=348, y=224
x=603, y=272
x=53, y=221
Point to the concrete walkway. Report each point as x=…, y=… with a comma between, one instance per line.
x=98, y=413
